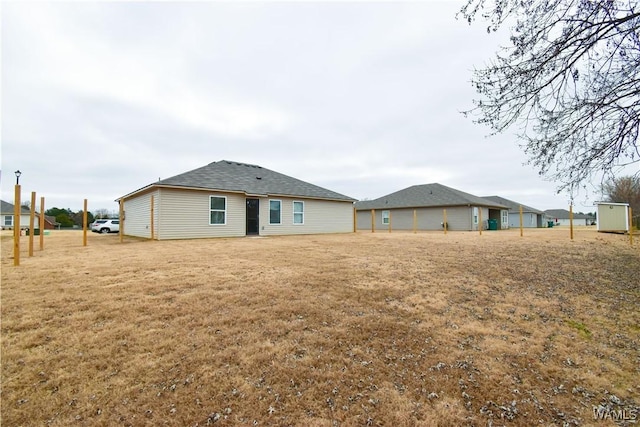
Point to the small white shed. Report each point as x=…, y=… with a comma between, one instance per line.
x=613, y=217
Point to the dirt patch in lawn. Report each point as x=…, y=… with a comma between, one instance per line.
x=382, y=329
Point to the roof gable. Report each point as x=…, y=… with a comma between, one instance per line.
x=427, y=195
x=226, y=175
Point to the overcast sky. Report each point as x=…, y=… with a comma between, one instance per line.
x=363, y=98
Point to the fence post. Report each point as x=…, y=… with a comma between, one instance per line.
x=415, y=221
x=389, y=221
x=84, y=224
x=630, y=226
x=571, y=221
x=521, y=226
x=41, y=223
x=152, y=216
x=32, y=222
x=373, y=220
x=16, y=226
x=355, y=218
x=121, y=219
x=480, y=219
x=444, y=214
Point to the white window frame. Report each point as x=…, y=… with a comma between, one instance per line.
x=475, y=215
x=384, y=217
x=298, y=213
x=218, y=210
x=6, y=223
x=505, y=217
x=279, y=212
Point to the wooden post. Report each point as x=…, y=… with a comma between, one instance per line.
x=41, y=223
x=355, y=217
x=571, y=220
x=373, y=220
x=121, y=219
x=521, y=225
x=415, y=221
x=444, y=214
x=16, y=226
x=152, y=217
x=480, y=219
x=630, y=226
x=389, y=221
x=84, y=224
x=32, y=222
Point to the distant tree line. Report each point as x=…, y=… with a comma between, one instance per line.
x=625, y=189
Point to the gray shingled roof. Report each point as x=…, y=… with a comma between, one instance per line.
x=227, y=175
x=563, y=214
x=7, y=208
x=513, y=206
x=427, y=195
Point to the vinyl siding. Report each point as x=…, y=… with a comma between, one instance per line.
x=529, y=220
x=24, y=222
x=186, y=214
x=458, y=218
x=613, y=217
x=320, y=216
x=137, y=215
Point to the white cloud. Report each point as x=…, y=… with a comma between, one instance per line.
x=100, y=99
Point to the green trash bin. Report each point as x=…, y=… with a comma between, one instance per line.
x=493, y=224
x=550, y=224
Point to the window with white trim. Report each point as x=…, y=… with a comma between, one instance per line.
x=275, y=212
x=8, y=221
x=298, y=212
x=217, y=210
x=385, y=217
x=475, y=215
x=505, y=217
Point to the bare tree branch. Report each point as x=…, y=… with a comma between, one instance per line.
x=569, y=81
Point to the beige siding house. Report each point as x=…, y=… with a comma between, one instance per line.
x=562, y=217
x=230, y=199
x=7, y=218
x=425, y=206
x=7, y=213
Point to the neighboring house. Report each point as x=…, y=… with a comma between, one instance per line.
x=531, y=218
x=7, y=213
x=561, y=217
x=429, y=201
x=50, y=223
x=227, y=199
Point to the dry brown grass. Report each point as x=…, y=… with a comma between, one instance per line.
x=385, y=329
